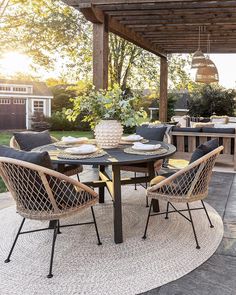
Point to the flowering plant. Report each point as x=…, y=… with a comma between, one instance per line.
x=112, y=104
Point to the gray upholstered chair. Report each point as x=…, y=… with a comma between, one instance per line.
x=185, y=186
x=44, y=194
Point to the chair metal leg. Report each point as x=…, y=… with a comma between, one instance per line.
x=167, y=210
x=14, y=243
x=58, y=228
x=194, y=232
x=50, y=275
x=147, y=205
x=149, y=213
x=135, y=185
x=96, y=228
x=208, y=217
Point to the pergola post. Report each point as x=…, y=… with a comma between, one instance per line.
x=163, y=90
x=100, y=55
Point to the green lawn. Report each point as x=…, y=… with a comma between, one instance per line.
x=5, y=139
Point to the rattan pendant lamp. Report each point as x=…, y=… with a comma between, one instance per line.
x=198, y=59
x=209, y=73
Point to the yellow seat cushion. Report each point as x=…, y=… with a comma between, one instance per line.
x=157, y=180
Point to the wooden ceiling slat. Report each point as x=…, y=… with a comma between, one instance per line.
x=186, y=21
x=134, y=13
x=167, y=5
x=182, y=15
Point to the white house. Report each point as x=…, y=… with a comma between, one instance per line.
x=19, y=100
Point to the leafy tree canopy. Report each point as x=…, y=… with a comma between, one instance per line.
x=46, y=30
x=49, y=31
x=212, y=99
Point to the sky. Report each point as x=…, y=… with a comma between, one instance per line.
x=225, y=63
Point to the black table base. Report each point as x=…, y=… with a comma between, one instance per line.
x=113, y=185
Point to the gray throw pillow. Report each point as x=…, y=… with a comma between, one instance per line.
x=151, y=133
x=30, y=140
x=204, y=149
x=38, y=158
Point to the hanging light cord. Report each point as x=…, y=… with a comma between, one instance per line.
x=208, y=45
x=199, y=37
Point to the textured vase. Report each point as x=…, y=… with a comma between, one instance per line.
x=108, y=133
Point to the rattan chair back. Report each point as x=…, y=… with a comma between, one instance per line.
x=42, y=193
x=189, y=184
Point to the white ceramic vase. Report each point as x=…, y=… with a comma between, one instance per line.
x=108, y=133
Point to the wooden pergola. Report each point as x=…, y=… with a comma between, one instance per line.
x=161, y=27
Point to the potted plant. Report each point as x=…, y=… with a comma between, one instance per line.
x=107, y=111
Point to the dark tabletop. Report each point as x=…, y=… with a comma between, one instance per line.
x=114, y=156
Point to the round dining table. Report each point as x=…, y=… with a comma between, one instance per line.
x=116, y=158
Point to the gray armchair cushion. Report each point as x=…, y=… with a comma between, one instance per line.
x=187, y=129
x=30, y=140
x=218, y=130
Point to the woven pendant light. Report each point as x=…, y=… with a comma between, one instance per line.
x=209, y=73
x=198, y=59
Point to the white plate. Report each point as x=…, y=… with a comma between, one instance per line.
x=146, y=147
x=82, y=150
x=131, y=138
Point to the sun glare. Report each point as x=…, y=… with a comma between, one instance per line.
x=14, y=62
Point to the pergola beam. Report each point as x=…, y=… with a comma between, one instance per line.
x=163, y=90
x=100, y=55
x=117, y=2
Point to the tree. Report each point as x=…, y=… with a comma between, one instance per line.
x=131, y=66
x=212, y=99
x=51, y=32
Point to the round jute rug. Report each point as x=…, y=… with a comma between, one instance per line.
x=82, y=267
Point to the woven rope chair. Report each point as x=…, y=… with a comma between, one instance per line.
x=69, y=170
x=47, y=195
x=185, y=186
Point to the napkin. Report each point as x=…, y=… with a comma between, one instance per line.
x=146, y=147
x=83, y=149
x=71, y=139
x=132, y=137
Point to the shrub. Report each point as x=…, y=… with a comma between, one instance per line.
x=39, y=122
x=59, y=122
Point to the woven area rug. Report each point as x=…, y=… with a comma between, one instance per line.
x=82, y=267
